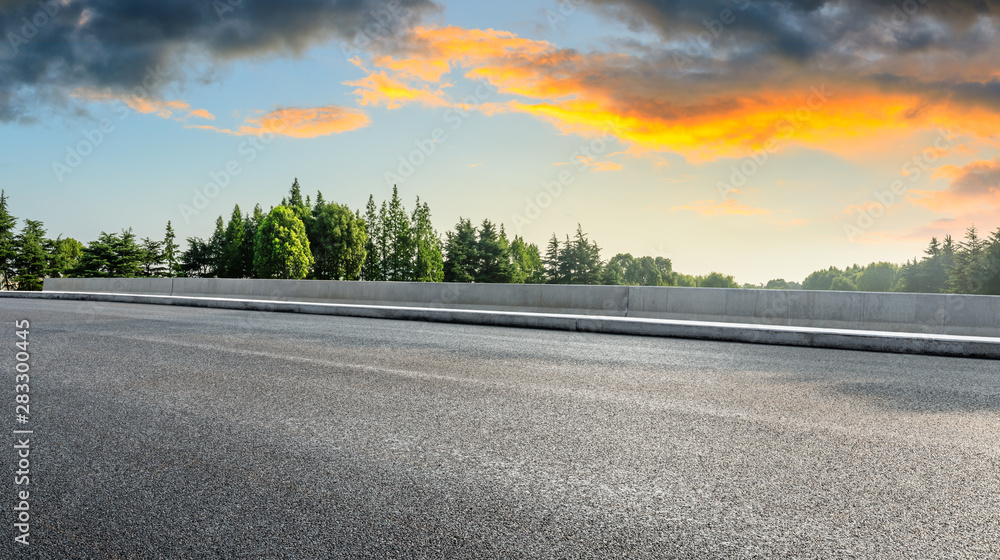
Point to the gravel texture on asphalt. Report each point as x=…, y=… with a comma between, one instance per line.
x=180, y=433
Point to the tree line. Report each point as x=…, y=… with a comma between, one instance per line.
x=305, y=238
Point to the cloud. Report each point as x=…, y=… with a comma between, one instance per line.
x=122, y=45
x=299, y=123
x=176, y=109
x=973, y=187
x=651, y=105
x=728, y=207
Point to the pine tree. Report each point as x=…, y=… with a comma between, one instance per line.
x=170, y=252
x=233, y=246
x=401, y=247
x=217, y=246
x=372, y=270
x=460, y=253
x=428, y=264
x=31, y=262
x=492, y=255
x=152, y=258
x=552, y=259
x=8, y=251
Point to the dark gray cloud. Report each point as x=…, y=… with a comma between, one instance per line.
x=52, y=47
x=801, y=30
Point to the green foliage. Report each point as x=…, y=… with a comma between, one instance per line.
x=111, y=256
x=461, y=260
x=576, y=261
x=198, y=261
x=63, y=255
x=171, y=255
x=843, y=284
x=233, y=247
x=527, y=261
x=428, y=263
x=716, y=280
x=338, y=240
x=399, y=241
x=152, y=257
x=493, y=264
x=31, y=261
x=371, y=270
x=281, y=247
x=878, y=277
x=8, y=249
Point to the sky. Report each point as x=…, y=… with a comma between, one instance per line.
x=759, y=139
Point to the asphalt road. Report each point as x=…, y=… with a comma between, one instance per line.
x=196, y=433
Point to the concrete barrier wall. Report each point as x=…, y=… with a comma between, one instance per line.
x=574, y=300
x=916, y=313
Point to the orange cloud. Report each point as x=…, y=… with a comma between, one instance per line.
x=648, y=106
x=176, y=110
x=728, y=207
x=975, y=186
x=300, y=123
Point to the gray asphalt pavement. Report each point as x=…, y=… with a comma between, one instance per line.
x=181, y=433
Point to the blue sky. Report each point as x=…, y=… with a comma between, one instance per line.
x=783, y=142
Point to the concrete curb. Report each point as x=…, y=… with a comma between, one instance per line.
x=845, y=339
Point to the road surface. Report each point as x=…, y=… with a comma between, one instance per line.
x=177, y=433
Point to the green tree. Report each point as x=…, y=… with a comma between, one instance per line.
x=616, y=268
x=553, y=258
x=428, y=263
x=527, y=261
x=460, y=253
x=152, y=257
x=171, y=255
x=967, y=273
x=251, y=223
x=282, y=247
x=63, y=255
x=197, y=261
x=338, y=241
x=400, y=250
x=878, y=277
x=111, y=256
x=843, y=284
x=233, y=246
x=8, y=250
x=580, y=260
x=821, y=279
x=717, y=280
x=31, y=262
x=372, y=268
x=493, y=263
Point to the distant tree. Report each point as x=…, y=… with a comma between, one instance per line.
x=111, y=256
x=251, y=223
x=822, y=279
x=461, y=259
x=399, y=255
x=171, y=254
x=428, y=262
x=8, y=249
x=553, y=253
x=63, y=255
x=717, y=280
x=967, y=274
x=615, y=270
x=527, y=261
x=282, y=247
x=685, y=280
x=843, y=284
x=666, y=268
x=493, y=263
x=372, y=268
x=877, y=277
x=197, y=261
x=644, y=272
x=338, y=241
x=233, y=246
x=151, y=259
x=778, y=284
x=580, y=260
x=31, y=262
